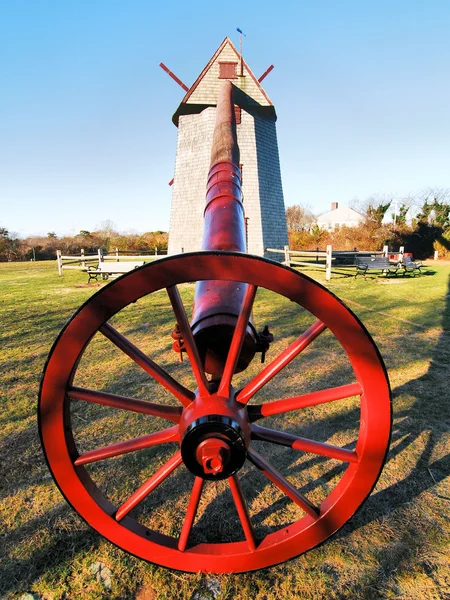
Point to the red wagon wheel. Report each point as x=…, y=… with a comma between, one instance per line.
x=214, y=433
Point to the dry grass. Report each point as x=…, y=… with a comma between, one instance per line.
x=395, y=547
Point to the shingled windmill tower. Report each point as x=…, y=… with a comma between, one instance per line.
x=257, y=140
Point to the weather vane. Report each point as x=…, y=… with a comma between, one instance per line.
x=240, y=48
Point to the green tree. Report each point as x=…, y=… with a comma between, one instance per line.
x=4, y=241
x=373, y=208
x=400, y=218
x=424, y=213
x=9, y=245
x=440, y=214
x=375, y=212
x=434, y=207
x=435, y=213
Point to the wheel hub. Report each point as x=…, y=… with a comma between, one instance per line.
x=213, y=447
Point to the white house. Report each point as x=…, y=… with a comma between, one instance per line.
x=339, y=216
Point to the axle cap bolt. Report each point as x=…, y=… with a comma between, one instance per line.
x=213, y=454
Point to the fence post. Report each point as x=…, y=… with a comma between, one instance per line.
x=117, y=254
x=328, y=262
x=83, y=263
x=59, y=260
x=100, y=255
x=286, y=256
x=386, y=251
x=401, y=251
x=317, y=250
x=436, y=253
x=156, y=250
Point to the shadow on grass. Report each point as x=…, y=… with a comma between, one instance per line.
x=18, y=573
x=430, y=413
x=23, y=557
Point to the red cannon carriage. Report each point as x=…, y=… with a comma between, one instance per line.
x=214, y=425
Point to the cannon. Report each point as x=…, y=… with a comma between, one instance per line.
x=217, y=434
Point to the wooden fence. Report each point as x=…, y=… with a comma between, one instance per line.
x=319, y=259
x=324, y=259
x=82, y=261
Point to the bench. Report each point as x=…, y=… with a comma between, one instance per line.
x=378, y=263
x=109, y=269
x=410, y=266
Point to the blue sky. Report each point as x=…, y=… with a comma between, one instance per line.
x=361, y=89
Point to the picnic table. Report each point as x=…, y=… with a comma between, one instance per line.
x=107, y=269
x=375, y=263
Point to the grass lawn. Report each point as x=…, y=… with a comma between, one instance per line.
x=396, y=546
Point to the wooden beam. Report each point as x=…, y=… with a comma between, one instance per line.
x=266, y=72
x=174, y=77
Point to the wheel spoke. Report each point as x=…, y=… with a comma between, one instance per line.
x=149, y=485
x=184, y=395
x=304, y=444
x=282, y=483
x=276, y=407
x=280, y=362
x=241, y=507
x=189, y=519
x=188, y=339
x=171, y=413
x=238, y=340
x=153, y=439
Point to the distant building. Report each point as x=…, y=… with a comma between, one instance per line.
x=338, y=217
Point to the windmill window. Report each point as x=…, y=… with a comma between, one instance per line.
x=228, y=70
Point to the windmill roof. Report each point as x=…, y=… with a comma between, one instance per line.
x=248, y=92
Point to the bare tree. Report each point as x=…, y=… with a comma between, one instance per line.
x=105, y=233
x=299, y=218
x=108, y=227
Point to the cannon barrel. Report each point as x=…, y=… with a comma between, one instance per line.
x=224, y=227
x=217, y=303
